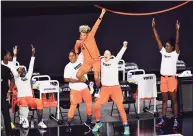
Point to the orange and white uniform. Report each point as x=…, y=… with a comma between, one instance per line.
x=25, y=94
x=90, y=50
x=168, y=71
x=110, y=86
x=79, y=90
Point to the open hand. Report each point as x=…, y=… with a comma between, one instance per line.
x=33, y=50
x=125, y=43
x=153, y=23
x=177, y=25
x=15, y=50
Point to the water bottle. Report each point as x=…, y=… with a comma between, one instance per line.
x=129, y=77
x=34, y=86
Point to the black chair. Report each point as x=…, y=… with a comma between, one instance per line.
x=65, y=102
x=128, y=89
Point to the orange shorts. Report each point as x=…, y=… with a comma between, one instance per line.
x=77, y=96
x=168, y=84
x=87, y=66
x=114, y=92
x=33, y=103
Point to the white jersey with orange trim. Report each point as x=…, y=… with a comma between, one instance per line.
x=109, y=70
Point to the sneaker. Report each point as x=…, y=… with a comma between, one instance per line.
x=24, y=132
x=97, y=126
x=91, y=87
x=68, y=128
x=161, y=123
x=88, y=124
x=25, y=123
x=97, y=95
x=126, y=130
x=176, y=124
x=42, y=125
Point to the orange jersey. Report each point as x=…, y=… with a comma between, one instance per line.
x=89, y=47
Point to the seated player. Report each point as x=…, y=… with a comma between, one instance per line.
x=79, y=90
x=111, y=88
x=25, y=94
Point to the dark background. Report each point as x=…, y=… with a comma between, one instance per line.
x=53, y=28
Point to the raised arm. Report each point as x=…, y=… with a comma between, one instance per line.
x=31, y=65
x=15, y=51
x=77, y=46
x=122, y=51
x=97, y=23
x=177, y=37
x=159, y=43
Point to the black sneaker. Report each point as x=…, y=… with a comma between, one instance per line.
x=161, y=123
x=89, y=124
x=68, y=128
x=176, y=124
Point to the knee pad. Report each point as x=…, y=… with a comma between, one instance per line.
x=24, y=111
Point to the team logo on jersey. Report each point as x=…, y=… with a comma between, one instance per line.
x=104, y=64
x=165, y=56
x=78, y=66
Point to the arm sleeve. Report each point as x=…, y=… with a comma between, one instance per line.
x=120, y=54
x=67, y=73
x=163, y=50
x=77, y=46
x=31, y=67
x=95, y=27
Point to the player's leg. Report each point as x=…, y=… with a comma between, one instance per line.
x=75, y=99
x=24, y=111
x=172, y=83
x=88, y=102
x=104, y=97
x=164, y=90
x=117, y=97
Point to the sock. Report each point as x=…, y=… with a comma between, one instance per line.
x=126, y=125
x=89, y=119
x=98, y=121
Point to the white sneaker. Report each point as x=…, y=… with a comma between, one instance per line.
x=42, y=125
x=97, y=95
x=25, y=123
x=91, y=87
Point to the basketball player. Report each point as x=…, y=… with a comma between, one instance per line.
x=90, y=51
x=168, y=84
x=78, y=89
x=111, y=87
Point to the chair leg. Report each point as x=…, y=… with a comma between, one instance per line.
x=61, y=113
x=79, y=115
x=56, y=112
x=136, y=111
x=149, y=104
x=14, y=117
x=112, y=109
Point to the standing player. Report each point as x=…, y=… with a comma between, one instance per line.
x=111, y=88
x=168, y=73
x=79, y=90
x=90, y=51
